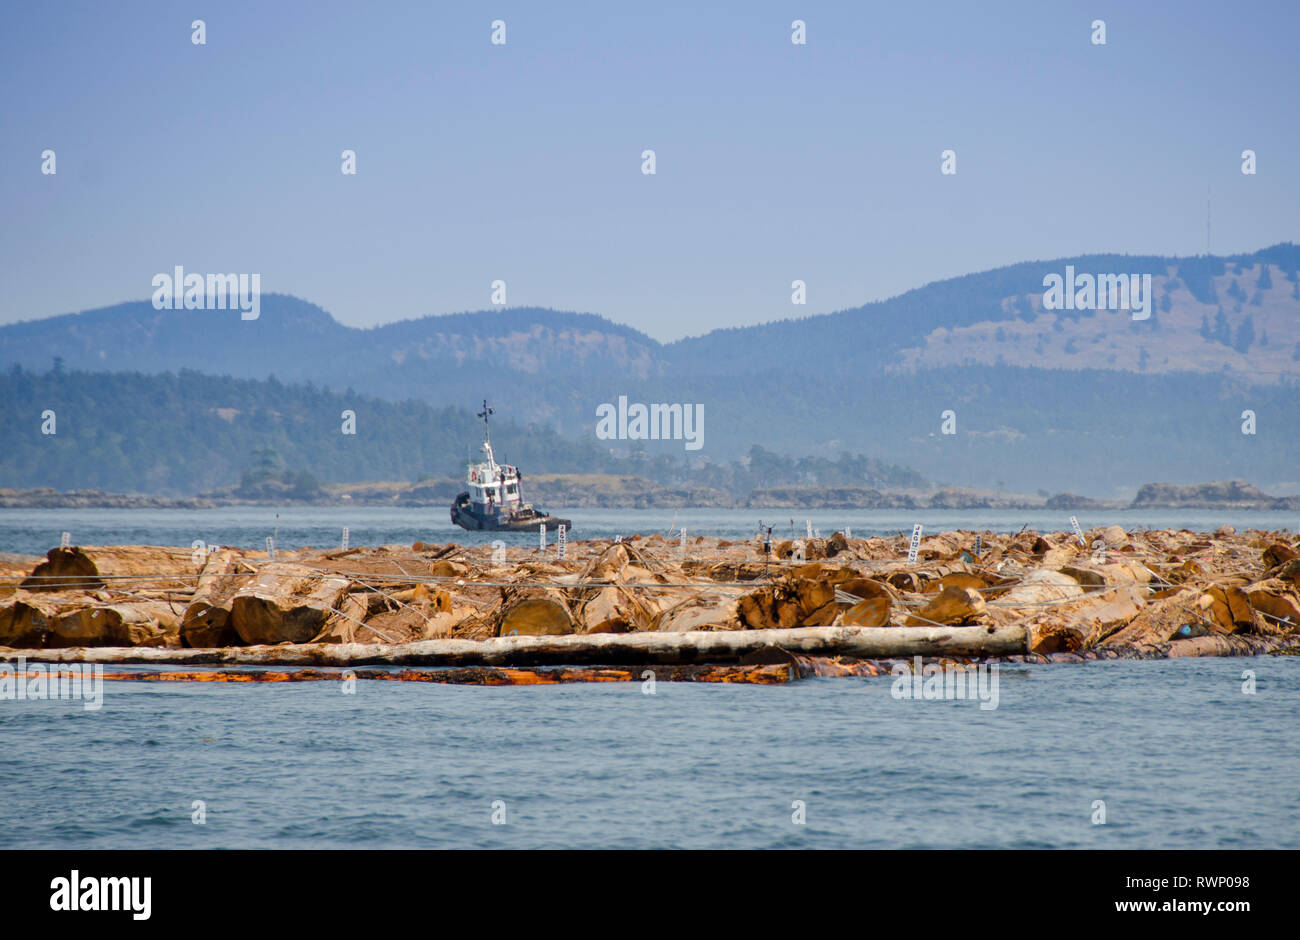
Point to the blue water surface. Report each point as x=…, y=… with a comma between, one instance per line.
x=1181, y=757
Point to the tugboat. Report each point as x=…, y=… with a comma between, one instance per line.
x=494, y=500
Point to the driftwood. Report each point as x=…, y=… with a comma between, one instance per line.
x=607, y=649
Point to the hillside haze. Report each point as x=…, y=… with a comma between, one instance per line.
x=1088, y=400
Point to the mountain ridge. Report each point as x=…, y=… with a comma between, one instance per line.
x=1030, y=390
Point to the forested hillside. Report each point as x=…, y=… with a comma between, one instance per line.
x=182, y=434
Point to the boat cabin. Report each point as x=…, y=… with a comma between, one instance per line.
x=493, y=487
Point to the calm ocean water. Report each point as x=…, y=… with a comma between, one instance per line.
x=34, y=531
x=1181, y=757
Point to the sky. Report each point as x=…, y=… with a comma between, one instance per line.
x=522, y=162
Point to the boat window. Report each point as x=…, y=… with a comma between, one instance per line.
x=511, y=490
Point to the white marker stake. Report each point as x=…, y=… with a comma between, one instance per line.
x=848, y=533
x=1078, y=532
x=560, y=540
x=810, y=534
x=541, y=537
x=683, y=545
x=345, y=539
x=916, y=544
x=270, y=548
x=66, y=540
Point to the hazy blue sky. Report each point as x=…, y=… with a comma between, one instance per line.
x=522, y=161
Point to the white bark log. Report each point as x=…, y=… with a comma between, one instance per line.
x=607, y=649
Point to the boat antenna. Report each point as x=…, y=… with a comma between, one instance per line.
x=484, y=414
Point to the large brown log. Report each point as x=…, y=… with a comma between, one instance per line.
x=713, y=612
x=137, y=623
x=1230, y=608
x=1043, y=587
x=790, y=602
x=1279, y=553
x=1159, y=622
x=1277, y=601
x=533, y=612
x=952, y=605
x=92, y=567
x=27, y=618
x=207, y=616
x=873, y=608
x=286, y=602
x=610, y=649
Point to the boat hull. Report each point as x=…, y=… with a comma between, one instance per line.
x=463, y=515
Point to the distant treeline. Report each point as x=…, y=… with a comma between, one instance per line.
x=185, y=433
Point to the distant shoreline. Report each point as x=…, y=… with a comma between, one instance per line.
x=615, y=492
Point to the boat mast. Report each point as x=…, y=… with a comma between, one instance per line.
x=487, y=439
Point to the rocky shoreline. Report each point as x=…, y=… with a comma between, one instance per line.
x=835, y=606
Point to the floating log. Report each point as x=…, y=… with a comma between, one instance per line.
x=873, y=608
x=92, y=567
x=1279, y=604
x=1279, y=553
x=700, y=612
x=1042, y=587
x=134, y=623
x=1230, y=608
x=755, y=674
x=26, y=618
x=952, y=605
x=207, y=616
x=1159, y=622
x=605, y=649
x=286, y=602
x=791, y=602
x=533, y=612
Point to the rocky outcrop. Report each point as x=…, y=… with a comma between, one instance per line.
x=1232, y=494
